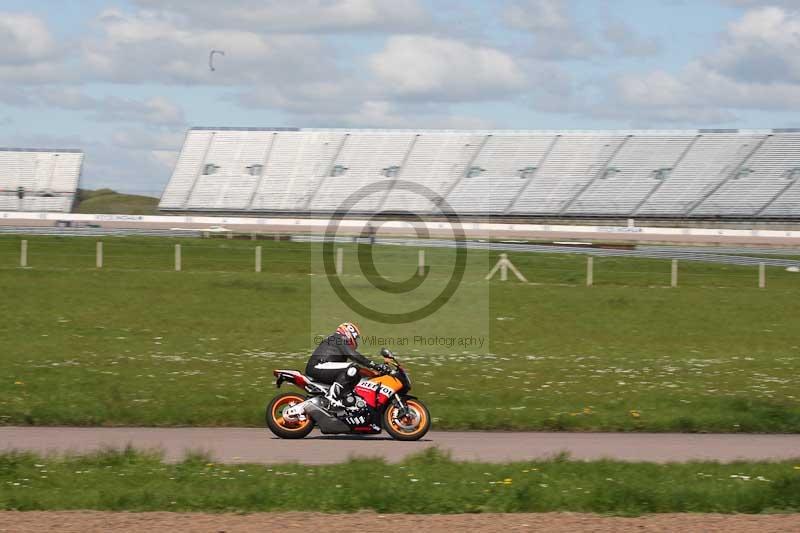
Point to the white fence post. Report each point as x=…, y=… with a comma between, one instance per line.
x=258, y=259
x=762, y=276
x=421, y=263
x=339, y=261
x=23, y=254
x=177, y=258
x=674, y=280
x=99, y=255
x=590, y=271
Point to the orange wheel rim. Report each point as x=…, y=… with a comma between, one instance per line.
x=420, y=412
x=277, y=414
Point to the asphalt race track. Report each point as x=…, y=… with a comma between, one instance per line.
x=252, y=445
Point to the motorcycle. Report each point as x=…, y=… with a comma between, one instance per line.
x=378, y=401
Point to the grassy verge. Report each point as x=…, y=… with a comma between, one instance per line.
x=139, y=344
x=110, y=202
x=427, y=483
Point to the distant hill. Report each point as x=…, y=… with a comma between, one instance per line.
x=111, y=202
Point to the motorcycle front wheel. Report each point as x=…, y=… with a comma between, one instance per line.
x=286, y=429
x=412, y=426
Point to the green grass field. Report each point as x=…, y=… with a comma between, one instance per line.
x=137, y=343
x=111, y=202
x=427, y=483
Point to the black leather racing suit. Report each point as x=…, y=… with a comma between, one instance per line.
x=332, y=362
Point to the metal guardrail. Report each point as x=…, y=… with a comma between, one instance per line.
x=680, y=253
x=96, y=232
x=700, y=254
x=736, y=250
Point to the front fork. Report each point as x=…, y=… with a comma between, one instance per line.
x=402, y=408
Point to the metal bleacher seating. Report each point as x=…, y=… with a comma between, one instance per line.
x=685, y=173
x=710, y=161
x=571, y=163
x=632, y=174
x=502, y=168
x=364, y=159
x=33, y=179
x=437, y=161
x=296, y=166
x=761, y=180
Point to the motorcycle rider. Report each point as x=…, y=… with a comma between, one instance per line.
x=334, y=361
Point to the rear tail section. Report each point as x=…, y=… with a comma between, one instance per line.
x=292, y=376
x=299, y=379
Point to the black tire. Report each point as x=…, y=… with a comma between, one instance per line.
x=280, y=430
x=400, y=434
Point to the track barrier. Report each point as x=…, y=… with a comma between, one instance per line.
x=504, y=265
x=674, y=277
x=561, y=268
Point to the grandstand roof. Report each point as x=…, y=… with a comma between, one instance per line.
x=762, y=131
x=228, y=128
x=45, y=150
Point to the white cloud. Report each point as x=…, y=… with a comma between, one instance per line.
x=560, y=35
x=539, y=16
x=411, y=81
x=696, y=95
x=413, y=66
x=299, y=15
x=764, y=45
x=557, y=34
x=154, y=149
x=340, y=95
x=28, y=51
x=390, y=114
x=147, y=139
x=698, y=87
x=756, y=67
x=157, y=110
x=125, y=170
x=387, y=114
x=626, y=41
x=761, y=3
x=146, y=46
x=25, y=38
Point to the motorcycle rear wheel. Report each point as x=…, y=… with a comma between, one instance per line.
x=284, y=428
x=416, y=429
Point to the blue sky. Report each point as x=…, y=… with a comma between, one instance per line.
x=123, y=80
